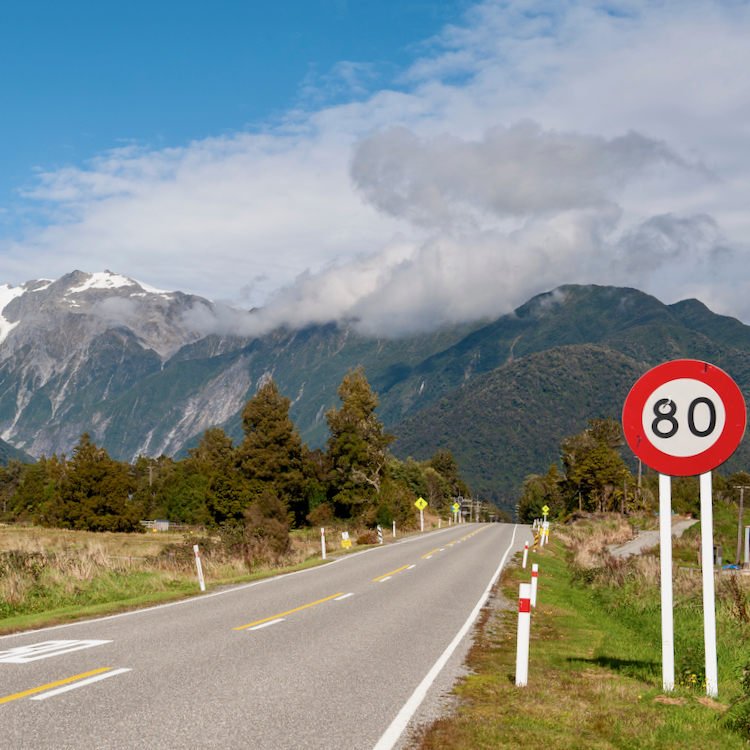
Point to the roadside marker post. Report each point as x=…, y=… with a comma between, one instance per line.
x=524, y=632
x=198, y=565
x=525, y=554
x=747, y=546
x=394, y=529
x=323, y=542
x=534, y=583
x=380, y=534
x=685, y=418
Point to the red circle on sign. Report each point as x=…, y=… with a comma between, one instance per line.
x=707, y=460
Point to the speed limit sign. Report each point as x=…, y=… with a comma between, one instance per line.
x=684, y=418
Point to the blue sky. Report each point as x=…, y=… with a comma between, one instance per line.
x=403, y=164
x=84, y=77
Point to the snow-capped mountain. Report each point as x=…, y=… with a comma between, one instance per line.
x=69, y=348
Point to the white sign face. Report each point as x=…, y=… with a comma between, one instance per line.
x=24, y=654
x=683, y=417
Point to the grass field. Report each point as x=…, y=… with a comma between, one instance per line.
x=595, y=660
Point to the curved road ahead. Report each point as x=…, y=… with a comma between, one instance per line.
x=326, y=658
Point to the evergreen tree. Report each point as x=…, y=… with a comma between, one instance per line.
x=94, y=494
x=272, y=455
x=357, y=448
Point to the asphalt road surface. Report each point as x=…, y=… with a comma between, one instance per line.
x=338, y=656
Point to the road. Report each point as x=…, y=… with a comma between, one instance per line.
x=325, y=658
x=648, y=539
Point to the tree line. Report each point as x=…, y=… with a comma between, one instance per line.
x=270, y=475
x=595, y=478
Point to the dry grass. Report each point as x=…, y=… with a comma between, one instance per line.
x=36, y=538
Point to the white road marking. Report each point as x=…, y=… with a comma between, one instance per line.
x=266, y=624
x=80, y=683
x=428, y=557
x=44, y=650
x=345, y=596
x=395, y=730
x=387, y=578
x=411, y=566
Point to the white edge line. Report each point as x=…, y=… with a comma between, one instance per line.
x=428, y=557
x=80, y=683
x=411, y=566
x=387, y=578
x=266, y=624
x=345, y=596
x=395, y=730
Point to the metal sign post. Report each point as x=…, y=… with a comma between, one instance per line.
x=684, y=418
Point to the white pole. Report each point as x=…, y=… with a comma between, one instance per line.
x=665, y=553
x=709, y=599
x=421, y=519
x=747, y=545
x=198, y=565
x=524, y=631
x=440, y=521
x=525, y=554
x=534, y=582
x=394, y=529
x=323, y=542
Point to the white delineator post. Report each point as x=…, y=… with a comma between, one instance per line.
x=394, y=529
x=525, y=554
x=198, y=565
x=323, y=542
x=747, y=545
x=524, y=631
x=421, y=520
x=665, y=555
x=709, y=597
x=380, y=534
x=534, y=582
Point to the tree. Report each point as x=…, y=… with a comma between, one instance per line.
x=357, y=448
x=272, y=455
x=94, y=494
x=593, y=467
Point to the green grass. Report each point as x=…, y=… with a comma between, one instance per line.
x=594, y=673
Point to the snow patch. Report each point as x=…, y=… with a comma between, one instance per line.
x=49, y=283
x=8, y=293
x=104, y=280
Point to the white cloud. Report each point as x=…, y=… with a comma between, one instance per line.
x=539, y=143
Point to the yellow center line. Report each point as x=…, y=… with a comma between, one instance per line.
x=9, y=698
x=266, y=619
x=391, y=573
x=431, y=553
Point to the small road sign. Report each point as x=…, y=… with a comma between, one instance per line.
x=421, y=503
x=545, y=510
x=456, y=507
x=684, y=418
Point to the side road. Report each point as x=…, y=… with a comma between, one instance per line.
x=648, y=539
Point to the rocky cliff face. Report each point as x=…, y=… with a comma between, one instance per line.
x=71, y=346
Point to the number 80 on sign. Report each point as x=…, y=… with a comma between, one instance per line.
x=684, y=418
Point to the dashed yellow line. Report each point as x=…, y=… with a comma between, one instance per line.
x=16, y=696
x=431, y=553
x=393, y=572
x=289, y=612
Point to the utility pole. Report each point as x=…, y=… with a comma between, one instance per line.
x=741, y=488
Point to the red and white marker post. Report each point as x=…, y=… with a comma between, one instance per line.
x=534, y=582
x=525, y=554
x=685, y=418
x=524, y=633
x=198, y=565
